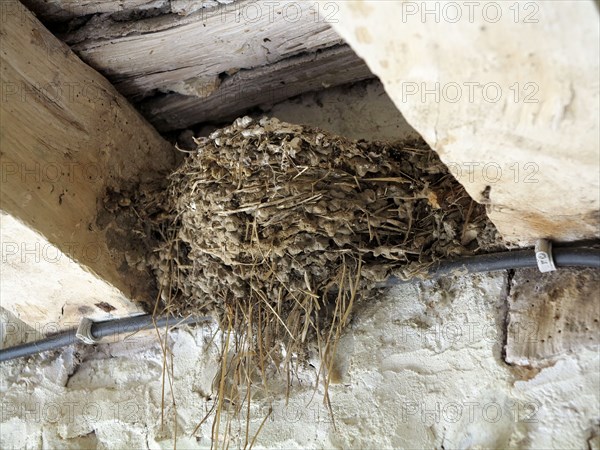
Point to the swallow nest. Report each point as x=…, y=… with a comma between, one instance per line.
x=278, y=230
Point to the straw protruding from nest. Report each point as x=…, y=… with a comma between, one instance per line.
x=280, y=229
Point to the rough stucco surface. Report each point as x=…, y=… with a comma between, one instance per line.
x=363, y=109
x=506, y=92
x=560, y=309
x=422, y=368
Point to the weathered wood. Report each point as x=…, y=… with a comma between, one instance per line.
x=185, y=7
x=188, y=54
x=66, y=137
x=212, y=61
x=263, y=86
x=62, y=10
x=551, y=314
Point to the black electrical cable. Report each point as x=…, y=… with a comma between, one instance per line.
x=563, y=257
x=99, y=330
x=519, y=259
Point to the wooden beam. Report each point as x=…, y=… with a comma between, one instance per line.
x=263, y=86
x=186, y=55
x=217, y=59
x=63, y=10
x=67, y=137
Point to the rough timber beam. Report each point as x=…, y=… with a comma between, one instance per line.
x=66, y=137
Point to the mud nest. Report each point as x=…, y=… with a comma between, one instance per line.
x=278, y=229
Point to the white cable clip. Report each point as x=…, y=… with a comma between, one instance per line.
x=84, y=331
x=543, y=255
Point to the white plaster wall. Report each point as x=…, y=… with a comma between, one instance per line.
x=424, y=370
x=360, y=111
